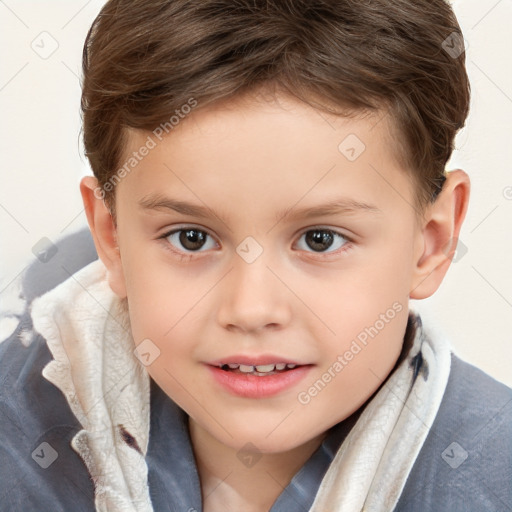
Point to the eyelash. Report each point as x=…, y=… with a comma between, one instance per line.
x=183, y=255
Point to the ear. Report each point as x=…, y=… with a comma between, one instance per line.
x=439, y=235
x=104, y=233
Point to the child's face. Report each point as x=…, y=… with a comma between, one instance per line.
x=263, y=286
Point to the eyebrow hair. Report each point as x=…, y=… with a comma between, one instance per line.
x=339, y=205
x=160, y=202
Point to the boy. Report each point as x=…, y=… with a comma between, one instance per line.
x=269, y=192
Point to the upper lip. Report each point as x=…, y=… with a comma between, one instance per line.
x=256, y=360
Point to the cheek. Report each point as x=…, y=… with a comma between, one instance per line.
x=166, y=309
x=363, y=312
x=356, y=367
x=159, y=296
x=385, y=275
x=349, y=299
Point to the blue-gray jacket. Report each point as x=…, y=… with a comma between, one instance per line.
x=475, y=414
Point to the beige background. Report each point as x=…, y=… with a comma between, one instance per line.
x=41, y=161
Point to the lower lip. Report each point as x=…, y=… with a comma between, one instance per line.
x=252, y=386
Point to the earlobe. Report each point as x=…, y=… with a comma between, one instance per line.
x=104, y=233
x=438, y=240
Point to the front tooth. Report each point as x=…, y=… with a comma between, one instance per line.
x=246, y=369
x=291, y=366
x=233, y=366
x=265, y=368
x=280, y=366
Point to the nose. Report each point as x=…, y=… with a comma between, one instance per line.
x=252, y=298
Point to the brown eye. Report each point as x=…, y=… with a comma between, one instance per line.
x=190, y=239
x=321, y=240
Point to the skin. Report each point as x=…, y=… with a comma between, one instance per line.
x=246, y=160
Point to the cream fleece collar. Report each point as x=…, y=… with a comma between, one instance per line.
x=106, y=386
x=107, y=389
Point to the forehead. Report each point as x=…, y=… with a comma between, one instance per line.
x=280, y=150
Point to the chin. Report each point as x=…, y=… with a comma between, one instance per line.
x=259, y=440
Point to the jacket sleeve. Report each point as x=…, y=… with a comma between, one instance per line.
x=465, y=464
x=39, y=471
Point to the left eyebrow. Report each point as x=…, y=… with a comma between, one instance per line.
x=343, y=205
x=336, y=206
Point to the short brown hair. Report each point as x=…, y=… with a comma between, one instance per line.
x=145, y=59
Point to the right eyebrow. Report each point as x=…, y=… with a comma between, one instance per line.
x=160, y=202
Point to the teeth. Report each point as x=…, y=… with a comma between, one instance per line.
x=265, y=368
x=259, y=369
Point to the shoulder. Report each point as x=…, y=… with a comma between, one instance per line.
x=39, y=470
x=466, y=461
x=54, y=264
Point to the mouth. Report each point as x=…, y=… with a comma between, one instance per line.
x=258, y=376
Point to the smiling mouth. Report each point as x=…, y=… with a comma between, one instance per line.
x=261, y=370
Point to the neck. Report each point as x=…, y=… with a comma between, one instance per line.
x=240, y=479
